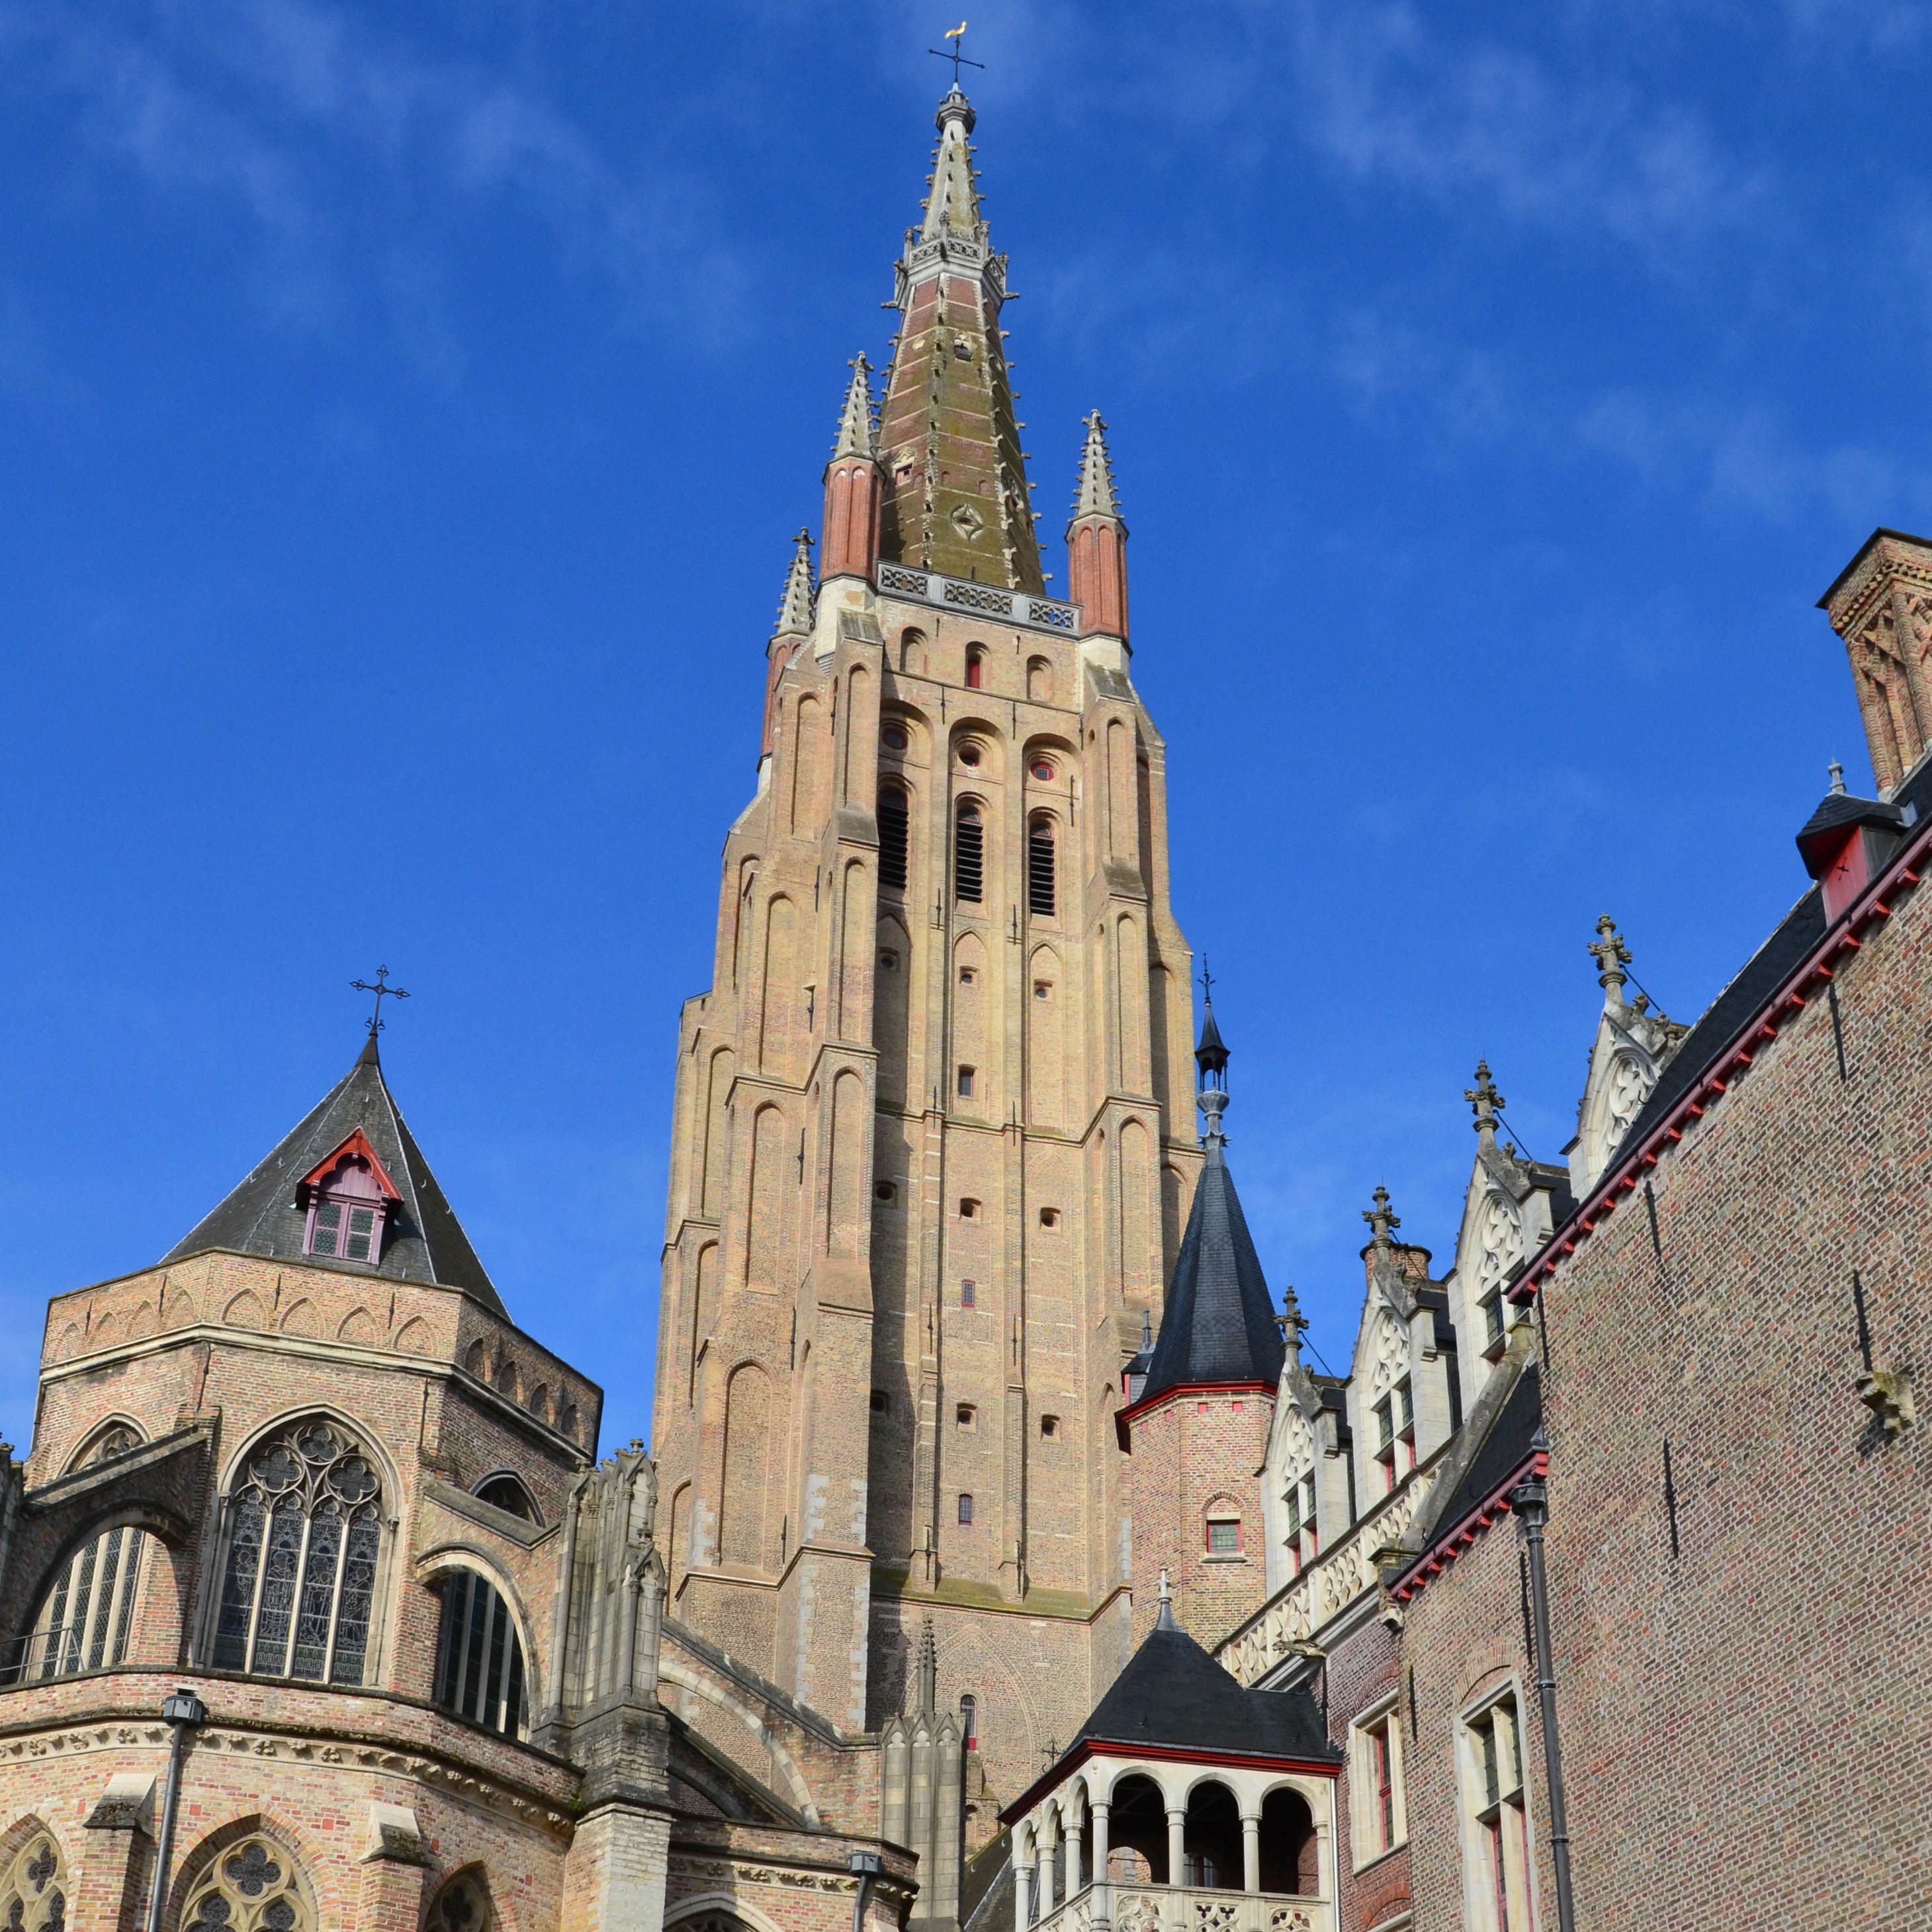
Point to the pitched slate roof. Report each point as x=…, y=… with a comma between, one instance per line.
x=1218, y=1325
x=1502, y=1452
x=425, y=1242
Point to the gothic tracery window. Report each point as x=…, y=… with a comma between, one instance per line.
x=252, y=1887
x=298, y=1582
x=34, y=1887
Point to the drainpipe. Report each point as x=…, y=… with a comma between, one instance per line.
x=864, y=1867
x=182, y=1713
x=1530, y=1500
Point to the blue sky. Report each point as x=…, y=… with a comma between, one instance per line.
x=404, y=412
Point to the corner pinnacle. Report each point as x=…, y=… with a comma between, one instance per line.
x=858, y=432
x=1095, y=496
x=795, y=606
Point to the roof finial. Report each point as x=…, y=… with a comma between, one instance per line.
x=928, y=1670
x=1837, y=772
x=1164, y=1616
x=1611, y=956
x=1211, y=1057
x=382, y=990
x=1487, y=1102
x=1381, y=1219
x=1095, y=496
x=956, y=53
x=858, y=431
x=795, y=606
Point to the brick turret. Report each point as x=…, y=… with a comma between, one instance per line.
x=854, y=486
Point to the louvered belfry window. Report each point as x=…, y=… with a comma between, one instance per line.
x=969, y=855
x=892, y=831
x=298, y=1583
x=1040, y=873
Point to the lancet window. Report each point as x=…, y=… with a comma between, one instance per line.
x=1041, y=876
x=479, y=1670
x=894, y=821
x=304, y=1538
x=969, y=854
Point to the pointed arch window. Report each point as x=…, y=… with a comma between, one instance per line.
x=298, y=1577
x=895, y=821
x=969, y=854
x=1041, y=875
x=34, y=1885
x=254, y=1887
x=87, y=1619
x=479, y=1667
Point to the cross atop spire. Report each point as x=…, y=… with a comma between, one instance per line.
x=1095, y=496
x=1211, y=1057
x=382, y=990
x=795, y=606
x=858, y=433
x=1382, y=1220
x=1164, y=1616
x=1487, y=1102
x=955, y=52
x=1612, y=955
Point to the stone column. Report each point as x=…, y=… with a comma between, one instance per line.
x=1251, y=1852
x=613, y=1876
x=1023, y=1881
x=1072, y=1876
x=1176, y=1863
x=1103, y=1892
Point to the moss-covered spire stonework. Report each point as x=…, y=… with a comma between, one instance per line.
x=956, y=489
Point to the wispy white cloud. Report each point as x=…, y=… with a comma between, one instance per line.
x=269, y=105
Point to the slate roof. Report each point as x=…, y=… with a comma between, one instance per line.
x=426, y=1242
x=1218, y=1325
x=1503, y=1451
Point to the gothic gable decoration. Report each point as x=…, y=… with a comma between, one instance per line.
x=1633, y=1045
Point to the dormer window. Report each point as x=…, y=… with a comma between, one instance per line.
x=348, y=1198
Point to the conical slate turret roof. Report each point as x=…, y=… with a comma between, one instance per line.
x=1218, y=1324
x=424, y=1242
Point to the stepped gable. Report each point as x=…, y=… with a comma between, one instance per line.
x=266, y=1215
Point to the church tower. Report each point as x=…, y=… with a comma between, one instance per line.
x=934, y=1142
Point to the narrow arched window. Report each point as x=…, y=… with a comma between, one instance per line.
x=976, y=667
x=969, y=1721
x=1041, y=874
x=969, y=854
x=479, y=1662
x=965, y=1508
x=894, y=820
x=86, y=1619
x=298, y=1578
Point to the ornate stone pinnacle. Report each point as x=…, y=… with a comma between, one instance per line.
x=1837, y=774
x=795, y=606
x=1487, y=1102
x=1095, y=496
x=858, y=432
x=1381, y=1221
x=1612, y=955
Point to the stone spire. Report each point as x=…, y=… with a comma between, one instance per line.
x=858, y=434
x=956, y=496
x=795, y=606
x=1097, y=556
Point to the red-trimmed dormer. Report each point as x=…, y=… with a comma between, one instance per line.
x=1845, y=844
x=347, y=1199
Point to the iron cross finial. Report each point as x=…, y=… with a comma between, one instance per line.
x=381, y=988
x=956, y=53
x=1207, y=981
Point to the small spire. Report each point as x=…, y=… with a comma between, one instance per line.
x=952, y=201
x=1095, y=497
x=1837, y=772
x=795, y=606
x=858, y=432
x=1164, y=1616
x=1381, y=1219
x=1487, y=1102
x=1211, y=1057
x=1611, y=956
x=929, y=1670
x=1146, y=1330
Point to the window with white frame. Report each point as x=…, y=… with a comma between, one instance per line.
x=1497, y=1846
x=1303, y=1544
x=1377, y=1810
x=304, y=1533
x=1395, y=1436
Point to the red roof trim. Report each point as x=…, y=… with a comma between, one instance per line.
x=1841, y=940
x=358, y=1144
x=1092, y=1748
x=1450, y=1543
x=1135, y=1411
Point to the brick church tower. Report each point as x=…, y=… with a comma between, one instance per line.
x=934, y=1143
